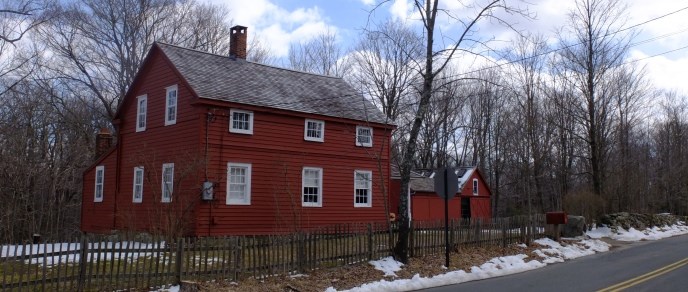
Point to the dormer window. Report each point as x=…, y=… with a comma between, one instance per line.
x=142, y=104
x=171, y=106
x=314, y=130
x=364, y=136
x=240, y=121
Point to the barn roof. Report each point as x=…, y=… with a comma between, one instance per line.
x=425, y=179
x=236, y=80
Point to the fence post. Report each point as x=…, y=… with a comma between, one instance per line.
x=504, y=225
x=180, y=250
x=83, y=260
x=451, y=235
x=411, y=239
x=370, y=242
x=301, y=251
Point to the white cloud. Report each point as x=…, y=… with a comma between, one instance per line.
x=665, y=71
x=275, y=25
x=368, y=2
x=400, y=9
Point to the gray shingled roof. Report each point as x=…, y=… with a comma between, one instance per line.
x=424, y=180
x=236, y=80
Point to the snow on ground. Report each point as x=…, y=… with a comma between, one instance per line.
x=39, y=249
x=551, y=252
x=632, y=234
x=387, y=265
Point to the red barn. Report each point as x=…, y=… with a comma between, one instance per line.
x=472, y=199
x=213, y=145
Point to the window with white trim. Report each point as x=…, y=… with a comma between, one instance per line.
x=240, y=121
x=475, y=186
x=363, y=188
x=137, y=196
x=314, y=130
x=100, y=182
x=311, y=182
x=364, y=136
x=238, y=183
x=142, y=105
x=167, y=182
x=171, y=105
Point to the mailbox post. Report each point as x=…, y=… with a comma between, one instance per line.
x=555, y=220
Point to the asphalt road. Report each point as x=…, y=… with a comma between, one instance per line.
x=643, y=266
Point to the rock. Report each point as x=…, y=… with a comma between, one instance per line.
x=574, y=227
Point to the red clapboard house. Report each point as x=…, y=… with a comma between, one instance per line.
x=471, y=201
x=213, y=145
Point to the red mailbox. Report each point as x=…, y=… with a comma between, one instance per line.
x=558, y=217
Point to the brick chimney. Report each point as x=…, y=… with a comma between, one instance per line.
x=237, y=42
x=103, y=141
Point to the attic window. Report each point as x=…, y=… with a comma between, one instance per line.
x=314, y=131
x=171, y=106
x=364, y=136
x=240, y=121
x=142, y=104
x=475, y=186
x=100, y=178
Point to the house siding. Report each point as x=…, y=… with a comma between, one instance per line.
x=151, y=148
x=99, y=216
x=277, y=153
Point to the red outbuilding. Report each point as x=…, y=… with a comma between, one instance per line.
x=209, y=144
x=471, y=201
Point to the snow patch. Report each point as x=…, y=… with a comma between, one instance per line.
x=387, y=265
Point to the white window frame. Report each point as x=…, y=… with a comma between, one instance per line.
x=99, y=188
x=141, y=115
x=247, y=183
x=322, y=131
x=359, y=143
x=475, y=186
x=171, y=120
x=137, y=185
x=369, y=187
x=319, y=186
x=231, y=122
x=166, y=195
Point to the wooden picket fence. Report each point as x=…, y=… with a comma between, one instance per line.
x=119, y=262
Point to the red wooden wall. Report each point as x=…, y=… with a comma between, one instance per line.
x=277, y=153
x=158, y=144
x=276, y=150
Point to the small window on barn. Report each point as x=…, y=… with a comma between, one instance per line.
x=241, y=121
x=364, y=136
x=171, y=106
x=167, y=182
x=475, y=186
x=100, y=181
x=312, y=187
x=363, y=188
x=142, y=104
x=314, y=130
x=138, y=185
x=238, y=184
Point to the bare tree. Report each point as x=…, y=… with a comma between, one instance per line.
x=385, y=66
x=99, y=45
x=589, y=57
x=320, y=55
x=18, y=17
x=435, y=61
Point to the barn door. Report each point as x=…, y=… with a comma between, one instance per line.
x=465, y=207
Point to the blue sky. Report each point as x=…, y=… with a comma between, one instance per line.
x=280, y=23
